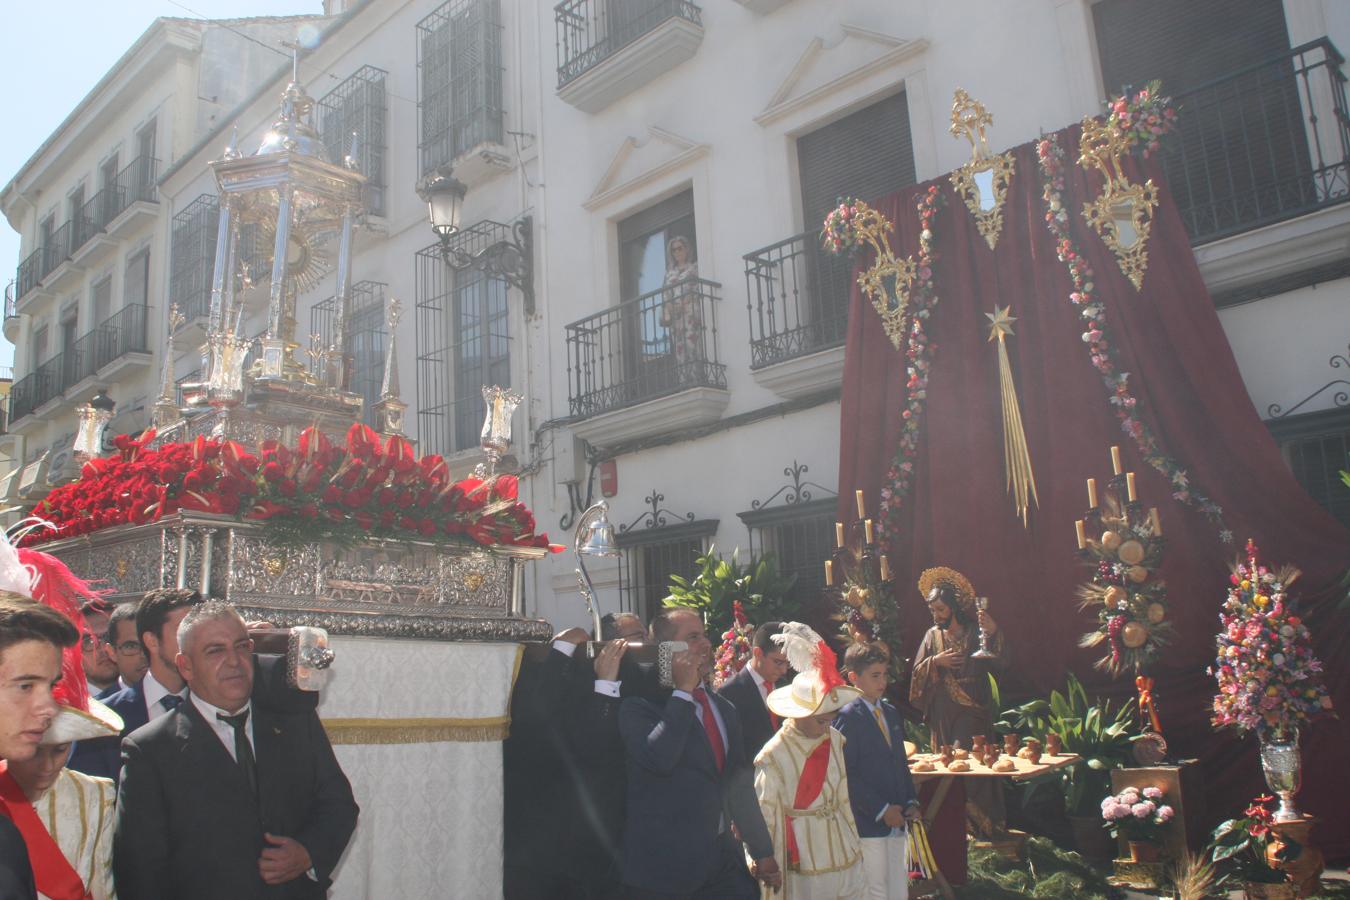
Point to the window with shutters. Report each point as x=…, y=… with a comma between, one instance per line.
x=136, y=284
x=1242, y=155
x=357, y=106
x=459, y=66
x=799, y=294
x=101, y=299
x=1317, y=448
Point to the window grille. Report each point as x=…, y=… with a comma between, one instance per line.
x=1317, y=448
x=651, y=556
x=463, y=342
x=364, y=343
x=358, y=105
x=459, y=66
x=193, y=248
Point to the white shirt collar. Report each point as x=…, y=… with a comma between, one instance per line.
x=155, y=692
x=224, y=730
x=759, y=679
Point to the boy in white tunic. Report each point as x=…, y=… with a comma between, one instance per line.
x=800, y=778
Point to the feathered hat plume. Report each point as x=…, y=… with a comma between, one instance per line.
x=807, y=651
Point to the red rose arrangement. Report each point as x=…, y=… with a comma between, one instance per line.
x=369, y=488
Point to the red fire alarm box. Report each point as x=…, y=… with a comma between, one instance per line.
x=609, y=478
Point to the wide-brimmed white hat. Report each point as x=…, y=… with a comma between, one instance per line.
x=74, y=724
x=806, y=696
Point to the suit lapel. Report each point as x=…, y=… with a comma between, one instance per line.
x=203, y=747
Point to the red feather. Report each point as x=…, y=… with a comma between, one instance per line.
x=827, y=664
x=64, y=591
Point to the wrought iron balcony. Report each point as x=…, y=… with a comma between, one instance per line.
x=798, y=299
x=659, y=343
x=591, y=31
x=29, y=274
x=120, y=334
x=1266, y=143
x=11, y=300
x=56, y=250
x=136, y=183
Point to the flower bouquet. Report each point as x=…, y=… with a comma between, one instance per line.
x=1269, y=680
x=734, y=651
x=1140, y=816
x=1143, y=118
x=1242, y=847
x=842, y=232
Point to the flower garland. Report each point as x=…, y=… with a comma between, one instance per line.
x=919, y=354
x=1269, y=680
x=1101, y=345
x=318, y=490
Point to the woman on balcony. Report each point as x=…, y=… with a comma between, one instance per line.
x=681, y=307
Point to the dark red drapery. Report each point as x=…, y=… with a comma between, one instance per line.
x=1182, y=371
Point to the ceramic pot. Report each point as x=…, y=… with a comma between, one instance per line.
x=1144, y=851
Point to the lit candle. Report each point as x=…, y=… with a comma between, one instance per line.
x=862, y=508
x=1082, y=534
x=839, y=534
x=829, y=572
x=1092, y=493
x=1129, y=485
x=868, y=527
x=1115, y=460
x=1157, y=525
x=885, y=568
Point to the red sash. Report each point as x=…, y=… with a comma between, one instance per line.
x=808, y=789
x=53, y=873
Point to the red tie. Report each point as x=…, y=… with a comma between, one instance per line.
x=710, y=726
x=773, y=719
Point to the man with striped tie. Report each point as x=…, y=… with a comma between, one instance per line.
x=689, y=784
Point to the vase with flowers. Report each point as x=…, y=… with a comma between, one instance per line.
x=1269, y=679
x=1247, y=851
x=1140, y=816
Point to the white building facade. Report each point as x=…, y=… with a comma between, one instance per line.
x=698, y=388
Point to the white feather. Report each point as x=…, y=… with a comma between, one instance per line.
x=15, y=577
x=800, y=645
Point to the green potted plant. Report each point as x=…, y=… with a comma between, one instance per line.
x=1100, y=733
x=719, y=583
x=1245, y=848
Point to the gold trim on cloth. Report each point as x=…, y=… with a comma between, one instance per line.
x=1122, y=215
x=969, y=119
x=417, y=731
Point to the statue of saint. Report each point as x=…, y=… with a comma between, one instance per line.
x=951, y=689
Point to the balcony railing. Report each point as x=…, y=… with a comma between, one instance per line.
x=1266, y=143
x=11, y=301
x=656, y=344
x=591, y=31
x=56, y=250
x=134, y=184
x=798, y=299
x=122, y=333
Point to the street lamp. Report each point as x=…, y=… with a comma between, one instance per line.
x=511, y=260
x=594, y=537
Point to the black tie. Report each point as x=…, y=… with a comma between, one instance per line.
x=243, y=750
x=170, y=701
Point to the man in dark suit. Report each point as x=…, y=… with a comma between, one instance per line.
x=880, y=788
x=747, y=688
x=223, y=799
x=32, y=637
x=689, y=783
x=162, y=689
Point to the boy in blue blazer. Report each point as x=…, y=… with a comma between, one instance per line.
x=880, y=788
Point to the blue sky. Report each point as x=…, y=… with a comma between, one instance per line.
x=57, y=50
